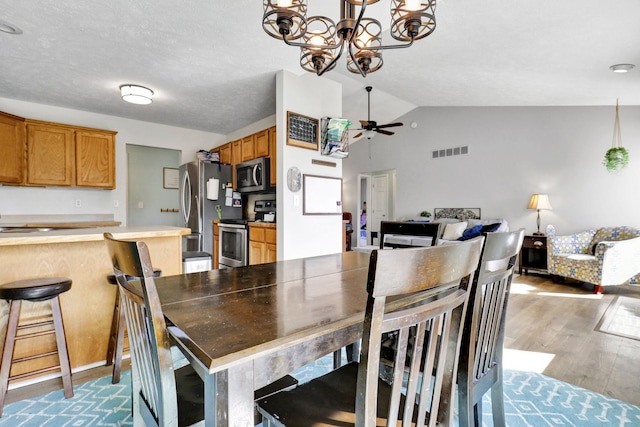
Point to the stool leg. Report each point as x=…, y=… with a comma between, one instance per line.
x=113, y=335
x=7, y=352
x=63, y=354
x=117, y=362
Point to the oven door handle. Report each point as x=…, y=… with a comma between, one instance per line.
x=231, y=226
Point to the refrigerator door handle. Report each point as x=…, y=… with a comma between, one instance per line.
x=186, y=185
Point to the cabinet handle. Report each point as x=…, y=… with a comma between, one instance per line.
x=538, y=243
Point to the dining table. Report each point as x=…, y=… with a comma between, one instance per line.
x=243, y=328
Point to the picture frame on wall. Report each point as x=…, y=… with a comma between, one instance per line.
x=170, y=178
x=302, y=131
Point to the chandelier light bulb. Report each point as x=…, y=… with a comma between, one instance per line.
x=284, y=3
x=316, y=40
x=413, y=4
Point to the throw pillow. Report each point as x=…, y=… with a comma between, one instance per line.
x=454, y=231
x=472, y=232
x=491, y=228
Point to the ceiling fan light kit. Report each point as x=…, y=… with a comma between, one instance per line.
x=323, y=41
x=370, y=127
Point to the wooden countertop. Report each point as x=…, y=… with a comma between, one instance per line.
x=262, y=224
x=88, y=234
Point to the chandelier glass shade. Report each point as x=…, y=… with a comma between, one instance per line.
x=323, y=41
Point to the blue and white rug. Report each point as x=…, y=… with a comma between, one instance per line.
x=531, y=399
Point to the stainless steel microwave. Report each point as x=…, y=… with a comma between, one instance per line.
x=253, y=176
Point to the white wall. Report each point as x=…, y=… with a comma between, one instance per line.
x=304, y=235
x=52, y=200
x=513, y=153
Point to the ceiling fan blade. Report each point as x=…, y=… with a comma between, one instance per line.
x=364, y=123
x=390, y=125
x=384, y=132
x=358, y=135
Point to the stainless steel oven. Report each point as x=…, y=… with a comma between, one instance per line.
x=234, y=242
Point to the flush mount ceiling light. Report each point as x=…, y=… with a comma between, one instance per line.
x=9, y=28
x=322, y=41
x=136, y=94
x=622, y=68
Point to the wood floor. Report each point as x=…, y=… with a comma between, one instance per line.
x=556, y=321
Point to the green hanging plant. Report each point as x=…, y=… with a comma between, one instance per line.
x=616, y=157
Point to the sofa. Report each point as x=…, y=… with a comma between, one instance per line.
x=464, y=223
x=604, y=257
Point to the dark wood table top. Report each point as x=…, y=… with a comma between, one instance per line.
x=231, y=316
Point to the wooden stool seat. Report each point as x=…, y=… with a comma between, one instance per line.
x=34, y=290
x=118, y=331
x=40, y=289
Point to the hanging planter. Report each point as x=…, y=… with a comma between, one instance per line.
x=616, y=157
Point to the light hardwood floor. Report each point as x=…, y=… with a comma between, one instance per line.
x=556, y=321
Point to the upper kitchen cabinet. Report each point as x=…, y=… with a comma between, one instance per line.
x=261, y=143
x=50, y=154
x=95, y=159
x=272, y=156
x=236, y=152
x=248, y=148
x=13, y=148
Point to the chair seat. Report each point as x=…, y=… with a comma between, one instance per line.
x=39, y=289
x=302, y=407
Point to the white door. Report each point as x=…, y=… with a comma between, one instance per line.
x=379, y=205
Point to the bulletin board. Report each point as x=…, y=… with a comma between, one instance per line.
x=322, y=195
x=302, y=131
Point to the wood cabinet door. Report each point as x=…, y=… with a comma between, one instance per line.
x=270, y=253
x=256, y=252
x=95, y=159
x=13, y=146
x=225, y=154
x=261, y=143
x=273, y=171
x=50, y=150
x=236, y=152
x=248, y=148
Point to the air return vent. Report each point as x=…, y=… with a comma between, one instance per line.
x=447, y=152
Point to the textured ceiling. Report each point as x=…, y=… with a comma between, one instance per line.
x=213, y=68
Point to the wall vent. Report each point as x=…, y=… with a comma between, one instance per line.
x=447, y=152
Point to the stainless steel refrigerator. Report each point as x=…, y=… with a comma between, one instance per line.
x=196, y=210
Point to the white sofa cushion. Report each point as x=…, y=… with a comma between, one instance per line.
x=454, y=231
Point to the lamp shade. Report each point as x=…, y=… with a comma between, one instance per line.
x=136, y=94
x=540, y=201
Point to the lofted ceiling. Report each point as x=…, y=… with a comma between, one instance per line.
x=213, y=68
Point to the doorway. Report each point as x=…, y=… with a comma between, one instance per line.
x=376, y=201
x=151, y=200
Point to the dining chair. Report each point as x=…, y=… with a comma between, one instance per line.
x=480, y=366
x=167, y=396
x=420, y=293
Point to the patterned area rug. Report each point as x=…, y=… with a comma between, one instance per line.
x=531, y=399
x=622, y=318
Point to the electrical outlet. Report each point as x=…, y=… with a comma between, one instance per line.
x=116, y=203
x=78, y=203
x=140, y=205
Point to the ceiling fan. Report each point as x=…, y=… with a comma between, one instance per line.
x=370, y=127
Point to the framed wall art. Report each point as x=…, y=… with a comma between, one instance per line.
x=302, y=131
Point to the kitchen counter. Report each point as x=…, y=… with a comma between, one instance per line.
x=80, y=254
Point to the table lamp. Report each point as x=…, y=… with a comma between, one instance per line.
x=538, y=202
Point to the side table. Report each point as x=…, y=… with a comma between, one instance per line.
x=533, y=255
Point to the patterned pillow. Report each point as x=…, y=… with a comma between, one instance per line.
x=454, y=231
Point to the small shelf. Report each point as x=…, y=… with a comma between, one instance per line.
x=335, y=138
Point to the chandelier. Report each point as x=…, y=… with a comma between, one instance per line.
x=322, y=41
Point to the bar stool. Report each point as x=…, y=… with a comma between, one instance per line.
x=34, y=290
x=118, y=331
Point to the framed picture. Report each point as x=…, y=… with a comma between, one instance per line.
x=458, y=213
x=170, y=178
x=302, y=131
